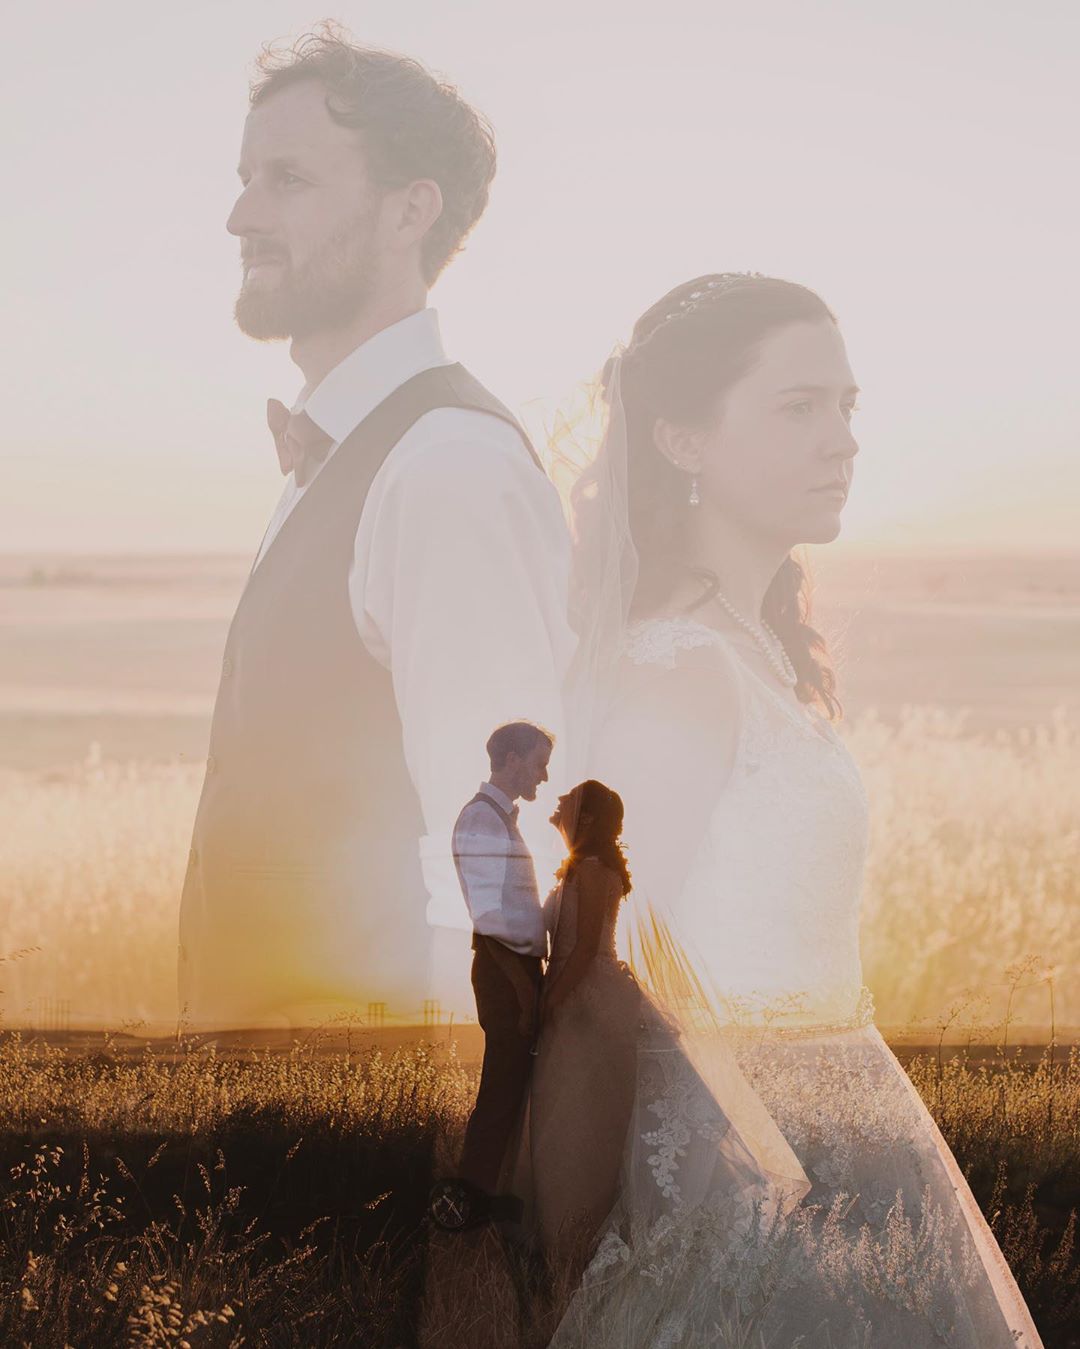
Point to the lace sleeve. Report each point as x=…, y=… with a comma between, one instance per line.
x=659, y=642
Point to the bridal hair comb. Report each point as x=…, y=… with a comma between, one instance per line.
x=701, y=298
x=709, y=292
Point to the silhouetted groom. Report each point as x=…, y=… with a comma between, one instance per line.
x=498, y=881
x=411, y=585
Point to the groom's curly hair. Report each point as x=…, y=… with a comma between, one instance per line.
x=412, y=125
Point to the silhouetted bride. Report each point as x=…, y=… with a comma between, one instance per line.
x=631, y=1126
x=729, y=443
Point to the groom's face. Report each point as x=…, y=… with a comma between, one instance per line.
x=307, y=218
x=533, y=771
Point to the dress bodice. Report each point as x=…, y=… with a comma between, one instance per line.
x=565, y=898
x=769, y=911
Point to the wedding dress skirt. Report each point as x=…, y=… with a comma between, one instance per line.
x=631, y=1126
x=888, y=1248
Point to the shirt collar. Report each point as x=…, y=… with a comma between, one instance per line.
x=369, y=374
x=499, y=797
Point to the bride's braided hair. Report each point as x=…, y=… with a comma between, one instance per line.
x=691, y=346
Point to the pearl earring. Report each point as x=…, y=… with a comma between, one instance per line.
x=695, y=494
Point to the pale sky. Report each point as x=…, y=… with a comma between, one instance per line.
x=915, y=163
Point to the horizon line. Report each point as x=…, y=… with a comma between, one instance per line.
x=889, y=549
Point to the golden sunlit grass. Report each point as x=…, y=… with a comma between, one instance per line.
x=972, y=867
x=182, y=1196
x=91, y=869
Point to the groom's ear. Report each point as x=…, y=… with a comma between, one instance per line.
x=680, y=445
x=407, y=213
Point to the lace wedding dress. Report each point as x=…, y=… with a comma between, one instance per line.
x=630, y=1123
x=888, y=1249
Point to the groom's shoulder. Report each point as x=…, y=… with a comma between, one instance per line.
x=467, y=415
x=479, y=816
x=466, y=451
x=491, y=432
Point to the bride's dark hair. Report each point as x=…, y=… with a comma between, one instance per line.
x=682, y=357
x=597, y=814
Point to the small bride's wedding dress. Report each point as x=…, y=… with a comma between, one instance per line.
x=630, y=1125
x=888, y=1249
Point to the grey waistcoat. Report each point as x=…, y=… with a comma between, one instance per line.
x=303, y=883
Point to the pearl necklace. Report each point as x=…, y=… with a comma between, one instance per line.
x=780, y=664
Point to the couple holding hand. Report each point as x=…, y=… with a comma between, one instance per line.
x=576, y=1055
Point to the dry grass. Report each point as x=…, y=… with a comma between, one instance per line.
x=972, y=867
x=276, y=1199
x=90, y=876
x=187, y=1197
x=1014, y=1128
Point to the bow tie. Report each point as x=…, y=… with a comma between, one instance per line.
x=301, y=445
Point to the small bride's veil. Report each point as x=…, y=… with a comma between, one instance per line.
x=592, y=474
x=604, y=575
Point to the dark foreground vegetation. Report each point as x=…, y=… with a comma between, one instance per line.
x=277, y=1199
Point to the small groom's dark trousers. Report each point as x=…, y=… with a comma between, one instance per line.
x=507, y=1063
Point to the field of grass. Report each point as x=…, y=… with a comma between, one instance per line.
x=972, y=872
x=183, y=1194
x=188, y=1198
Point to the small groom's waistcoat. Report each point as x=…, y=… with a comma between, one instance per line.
x=304, y=882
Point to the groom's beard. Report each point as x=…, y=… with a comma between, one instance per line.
x=326, y=292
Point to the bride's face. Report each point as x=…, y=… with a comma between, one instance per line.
x=567, y=816
x=563, y=813
x=780, y=453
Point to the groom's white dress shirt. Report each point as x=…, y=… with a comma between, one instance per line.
x=458, y=583
x=497, y=875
